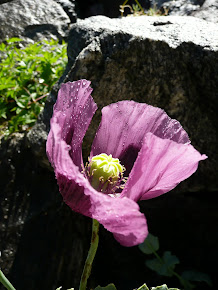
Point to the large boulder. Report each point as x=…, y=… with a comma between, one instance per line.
x=169, y=62
x=36, y=19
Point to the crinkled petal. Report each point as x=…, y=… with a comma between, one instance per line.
x=161, y=164
x=123, y=128
x=75, y=108
x=121, y=216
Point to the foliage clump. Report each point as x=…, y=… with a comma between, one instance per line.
x=27, y=74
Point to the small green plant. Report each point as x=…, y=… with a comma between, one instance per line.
x=138, y=10
x=27, y=74
x=165, y=265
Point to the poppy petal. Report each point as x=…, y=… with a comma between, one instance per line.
x=77, y=108
x=160, y=166
x=123, y=128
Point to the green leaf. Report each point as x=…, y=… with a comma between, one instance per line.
x=2, y=46
x=7, y=85
x=163, y=287
x=196, y=276
x=108, y=287
x=170, y=260
x=164, y=266
x=3, y=113
x=154, y=264
x=150, y=245
x=13, y=39
x=143, y=287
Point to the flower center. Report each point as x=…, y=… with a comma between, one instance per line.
x=105, y=173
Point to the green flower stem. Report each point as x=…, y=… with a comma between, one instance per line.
x=5, y=281
x=91, y=254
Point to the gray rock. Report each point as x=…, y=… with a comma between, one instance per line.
x=33, y=19
x=180, y=7
x=69, y=8
x=204, y=9
x=170, y=62
x=208, y=11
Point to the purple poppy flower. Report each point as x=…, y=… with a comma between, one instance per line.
x=154, y=149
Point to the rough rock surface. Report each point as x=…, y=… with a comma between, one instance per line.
x=69, y=8
x=37, y=230
x=204, y=9
x=34, y=19
x=208, y=11
x=180, y=7
x=170, y=62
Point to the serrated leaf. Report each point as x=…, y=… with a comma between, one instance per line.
x=164, y=266
x=197, y=277
x=163, y=287
x=108, y=287
x=143, y=287
x=150, y=245
x=169, y=259
x=154, y=265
